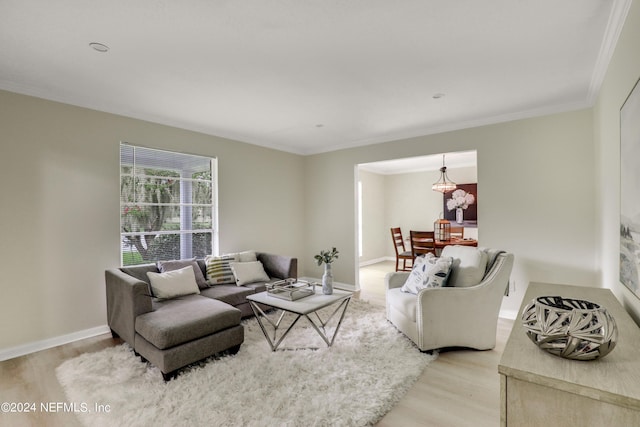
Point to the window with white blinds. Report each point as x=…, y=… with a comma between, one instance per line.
x=166, y=205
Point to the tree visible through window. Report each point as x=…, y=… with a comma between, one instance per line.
x=166, y=205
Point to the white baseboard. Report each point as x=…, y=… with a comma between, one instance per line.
x=344, y=286
x=337, y=285
x=32, y=347
x=375, y=261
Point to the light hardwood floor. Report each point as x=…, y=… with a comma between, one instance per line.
x=460, y=388
x=32, y=378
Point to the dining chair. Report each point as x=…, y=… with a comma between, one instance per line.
x=457, y=232
x=401, y=252
x=422, y=242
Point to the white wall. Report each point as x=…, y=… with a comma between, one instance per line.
x=537, y=187
x=622, y=74
x=59, y=220
x=413, y=205
x=402, y=200
x=374, y=201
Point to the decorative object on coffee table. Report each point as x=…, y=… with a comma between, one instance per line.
x=570, y=328
x=291, y=289
x=326, y=258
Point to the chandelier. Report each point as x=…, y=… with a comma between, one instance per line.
x=444, y=184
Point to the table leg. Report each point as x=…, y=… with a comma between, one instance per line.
x=344, y=304
x=275, y=342
x=260, y=315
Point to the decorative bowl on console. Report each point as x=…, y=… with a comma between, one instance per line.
x=570, y=328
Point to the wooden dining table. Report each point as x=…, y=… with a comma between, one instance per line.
x=439, y=244
x=455, y=241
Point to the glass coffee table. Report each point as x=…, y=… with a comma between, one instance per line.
x=308, y=307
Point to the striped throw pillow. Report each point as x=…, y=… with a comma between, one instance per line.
x=219, y=271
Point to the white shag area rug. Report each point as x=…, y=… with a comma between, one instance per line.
x=354, y=383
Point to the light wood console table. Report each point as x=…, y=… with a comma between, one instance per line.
x=539, y=389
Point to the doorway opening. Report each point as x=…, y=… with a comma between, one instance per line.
x=397, y=193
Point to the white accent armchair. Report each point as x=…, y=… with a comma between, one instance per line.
x=452, y=316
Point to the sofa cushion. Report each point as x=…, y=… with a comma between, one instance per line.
x=140, y=271
x=428, y=272
x=246, y=256
x=218, y=269
x=176, y=264
x=469, y=265
x=492, y=256
x=279, y=266
x=259, y=286
x=231, y=294
x=182, y=320
x=248, y=272
x=173, y=283
x=403, y=302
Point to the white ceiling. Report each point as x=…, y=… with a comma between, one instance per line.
x=309, y=76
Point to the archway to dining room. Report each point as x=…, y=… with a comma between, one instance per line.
x=398, y=193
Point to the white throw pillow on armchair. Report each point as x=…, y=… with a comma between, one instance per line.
x=427, y=272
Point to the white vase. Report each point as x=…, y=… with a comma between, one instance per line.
x=459, y=215
x=327, y=280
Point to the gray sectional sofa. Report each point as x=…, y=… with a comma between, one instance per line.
x=173, y=333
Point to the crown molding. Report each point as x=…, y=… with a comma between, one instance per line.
x=618, y=15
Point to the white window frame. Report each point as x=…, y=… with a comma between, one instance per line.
x=186, y=205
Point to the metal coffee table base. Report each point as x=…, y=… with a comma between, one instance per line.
x=275, y=342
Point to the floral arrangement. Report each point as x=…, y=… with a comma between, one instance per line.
x=326, y=257
x=460, y=199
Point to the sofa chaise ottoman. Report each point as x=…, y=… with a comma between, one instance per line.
x=174, y=332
